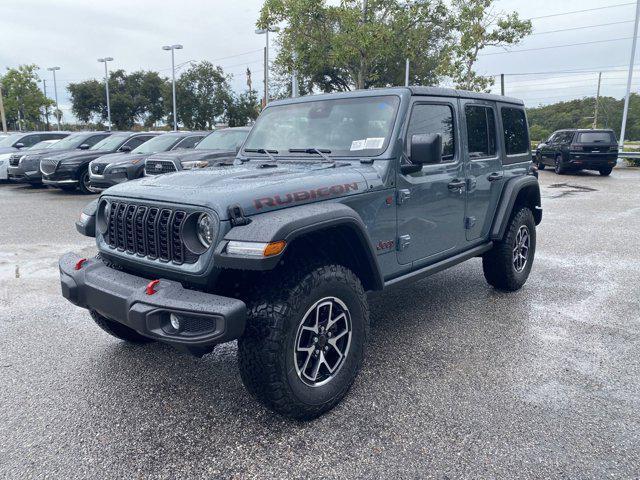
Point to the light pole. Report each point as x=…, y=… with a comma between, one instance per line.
x=173, y=82
x=266, y=31
x=106, y=86
x=55, y=93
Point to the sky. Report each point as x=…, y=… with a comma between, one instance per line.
x=72, y=34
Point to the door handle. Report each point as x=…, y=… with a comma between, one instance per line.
x=495, y=176
x=456, y=184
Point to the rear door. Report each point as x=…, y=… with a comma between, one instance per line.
x=431, y=201
x=485, y=175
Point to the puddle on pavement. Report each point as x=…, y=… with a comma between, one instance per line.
x=34, y=261
x=567, y=189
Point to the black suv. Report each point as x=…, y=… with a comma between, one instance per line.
x=69, y=171
x=17, y=141
x=217, y=147
x=115, y=168
x=573, y=150
x=25, y=166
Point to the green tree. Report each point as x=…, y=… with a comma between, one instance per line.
x=204, y=94
x=475, y=26
x=242, y=109
x=138, y=97
x=23, y=98
x=345, y=46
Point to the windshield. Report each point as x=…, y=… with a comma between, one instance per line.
x=70, y=142
x=10, y=140
x=161, y=143
x=596, y=137
x=43, y=144
x=223, y=140
x=345, y=127
x=110, y=143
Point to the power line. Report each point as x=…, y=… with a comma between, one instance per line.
x=580, y=28
x=582, y=11
x=556, y=46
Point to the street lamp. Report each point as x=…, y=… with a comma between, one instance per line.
x=55, y=92
x=106, y=85
x=266, y=31
x=173, y=82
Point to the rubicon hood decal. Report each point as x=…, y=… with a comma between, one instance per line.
x=304, y=195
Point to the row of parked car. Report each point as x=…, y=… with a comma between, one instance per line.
x=90, y=161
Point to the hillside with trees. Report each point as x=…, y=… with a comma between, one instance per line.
x=579, y=114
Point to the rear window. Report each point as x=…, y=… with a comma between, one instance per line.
x=596, y=137
x=516, y=138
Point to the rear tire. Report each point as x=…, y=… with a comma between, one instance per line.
x=292, y=363
x=605, y=172
x=118, y=330
x=507, y=266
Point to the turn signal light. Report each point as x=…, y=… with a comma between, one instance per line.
x=274, y=248
x=255, y=249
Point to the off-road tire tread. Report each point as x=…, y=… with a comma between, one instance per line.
x=267, y=316
x=497, y=262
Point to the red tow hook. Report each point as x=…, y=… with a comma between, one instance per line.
x=150, y=290
x=79, y=263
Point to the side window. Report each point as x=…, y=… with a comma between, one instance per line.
x=188, y=142
x=481, y=131
x=432, y=118
x=55, y=136
x=516, y=138
x=30, y=140
x=91, y=141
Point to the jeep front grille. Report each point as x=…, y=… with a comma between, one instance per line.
x=152, y=232
x=14, y=159
x=48, y=165
x=157, y=167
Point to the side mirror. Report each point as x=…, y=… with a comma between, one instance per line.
x=19, y=145
x=424, y=150
x=84, y=146
x=125, y=148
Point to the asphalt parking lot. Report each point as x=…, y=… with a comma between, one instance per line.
x=460, y=380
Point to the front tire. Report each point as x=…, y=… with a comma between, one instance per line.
x=115, y=329
x=305, y=340
x=539, y=161
x=508, y=264
x=84, y=185
x=558, y=167
x=606, y=171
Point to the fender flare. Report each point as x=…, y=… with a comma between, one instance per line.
x=86, y=224
x=510, y=193
x=289, y=224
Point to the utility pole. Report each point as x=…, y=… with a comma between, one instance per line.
x=265, y=31
x=105, y=60
x=406, y=73
x=595, y=114
x=362, y=60
x=173, y=48
x=294, y=79
x=46, y=107
x=2, y=117
x=630, y=76
x=502, y=84
x=55, y=91
x=249, y=84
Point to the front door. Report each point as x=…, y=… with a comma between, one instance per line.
x=431, y=201
x=485, y=173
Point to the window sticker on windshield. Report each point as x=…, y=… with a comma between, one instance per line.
x=358, y=145
x=374, y=143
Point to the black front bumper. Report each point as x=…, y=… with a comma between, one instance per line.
x=206, y=319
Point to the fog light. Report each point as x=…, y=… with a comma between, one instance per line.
x=175, y=321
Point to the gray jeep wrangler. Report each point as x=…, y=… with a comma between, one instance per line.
x=331, y=196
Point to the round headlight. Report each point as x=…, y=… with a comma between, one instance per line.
x=205, y=230
x=102, y=216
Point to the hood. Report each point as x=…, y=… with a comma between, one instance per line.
x=121, y=157
x=8, y=149
x=77, y=156
x=47, y=153
x=193, y=155
x=256, y=189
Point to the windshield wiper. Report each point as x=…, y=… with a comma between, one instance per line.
x=319, y=151
x=264, y=152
